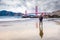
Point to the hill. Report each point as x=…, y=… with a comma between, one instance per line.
x=56, y=12
x=9, y=13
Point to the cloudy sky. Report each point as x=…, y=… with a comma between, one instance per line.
x=29, y=5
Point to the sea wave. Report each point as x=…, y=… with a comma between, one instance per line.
x=13, y=19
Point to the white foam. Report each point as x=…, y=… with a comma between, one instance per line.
x=13, y=19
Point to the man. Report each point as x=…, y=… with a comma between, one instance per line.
x=41, y=18
x=41, y=25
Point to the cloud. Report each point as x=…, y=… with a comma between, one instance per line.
x=21, y=5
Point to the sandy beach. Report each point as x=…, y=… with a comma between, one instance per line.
x=29, y=30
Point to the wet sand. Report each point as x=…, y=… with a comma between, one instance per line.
x=29, y=30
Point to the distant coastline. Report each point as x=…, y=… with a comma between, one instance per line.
x=9, y=13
